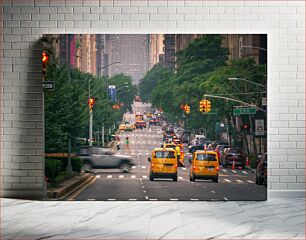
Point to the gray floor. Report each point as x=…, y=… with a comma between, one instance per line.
x=272, y=219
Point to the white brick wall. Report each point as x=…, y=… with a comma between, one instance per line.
x=24, y=22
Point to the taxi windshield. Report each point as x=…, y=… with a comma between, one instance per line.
x=206, y=157
x=164, y=154
x=171, y=146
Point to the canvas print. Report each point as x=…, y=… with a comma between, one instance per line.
x=155, y=117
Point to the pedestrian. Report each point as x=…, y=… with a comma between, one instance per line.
x=178, y=155
x=127, y=142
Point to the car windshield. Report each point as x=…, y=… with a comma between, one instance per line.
x=171, y=146
x=206, y=157
x=164, y=154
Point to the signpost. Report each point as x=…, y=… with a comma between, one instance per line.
x=259, y=127
x=242, y=111
x=48, y=85
x=112, y=92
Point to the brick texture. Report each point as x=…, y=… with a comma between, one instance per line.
x=25, y=21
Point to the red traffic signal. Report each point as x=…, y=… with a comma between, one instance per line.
x=44, y=57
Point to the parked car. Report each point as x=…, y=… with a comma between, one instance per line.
x=103, y=158
x=234, y=154
x=261, y=170
x=200, y=145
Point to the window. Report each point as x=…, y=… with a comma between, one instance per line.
x=206, y=157
x=164, y=154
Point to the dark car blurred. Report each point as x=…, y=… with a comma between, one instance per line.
x=234, y=154
x=152, y=122
x=200, y=145
x=103, y=158
x=140, y=124
x=261, y=170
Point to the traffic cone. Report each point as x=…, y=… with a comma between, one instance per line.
x=233, y=165
x=247, y=163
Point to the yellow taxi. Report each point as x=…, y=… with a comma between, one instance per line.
x=122, y=127
x=163, y=164
x=204, y=165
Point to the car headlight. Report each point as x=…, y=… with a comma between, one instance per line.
x=189, y=146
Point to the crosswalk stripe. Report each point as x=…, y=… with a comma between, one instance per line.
x=98, y=176
x=147, y=197
x=194, y=199
x=244, y=172
x=224, y=170
x=133, y=176
x=183, y=168
x=180, y=178
x=144, y=177
x=227, y=180
x=173, y=199
x=153, y=199
x=239, y=180
x=132, y=199
x=133, y=166
x=121, y=176
x=234, y=171
x=111, y=199
x=250, y=181
x=109, y=176
x=143, y=167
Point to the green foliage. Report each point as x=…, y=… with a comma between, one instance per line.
x=52, y=168
x=75, y=162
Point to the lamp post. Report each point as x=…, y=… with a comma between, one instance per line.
x=107, y=78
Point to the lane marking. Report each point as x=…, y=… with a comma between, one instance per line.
x=133, y=166
x=98, y=176
x=147, y=197
x=143, y=167
x=244, y=172
x=109, y=176
x=132, y=199
x=227, y=180
x=224, y=170
x=153, y=199
x=213, y=191
x=194, y=199
x=225, y=199
x=234, y=171
x=180, y=178
x=111, y=199
x=86, y=184
x=173, y=199
x=133, y=176
x=250, y=181
x=144, y=191
x=144, y=177
x=121, y=176
x=183, y=168
x=239, y=180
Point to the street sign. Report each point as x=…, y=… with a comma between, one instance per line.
x=112, y=92
x=259, y=127
x=48, y=85
x=241, y=111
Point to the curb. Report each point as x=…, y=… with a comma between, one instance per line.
x=62, y=191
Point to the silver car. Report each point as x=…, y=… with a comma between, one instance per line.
x=104, y=158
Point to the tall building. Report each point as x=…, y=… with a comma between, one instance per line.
x=169, y=44
x=132, y=53
x=156, y=49
x=86, y=53
x=246, y=45
x=182, y=40
x=67, y=43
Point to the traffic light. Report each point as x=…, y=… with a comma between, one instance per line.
x=203, y=106
x=245, y=127
x=91, y=103
x=187, y=109
x=208, y=106
x=44, y=59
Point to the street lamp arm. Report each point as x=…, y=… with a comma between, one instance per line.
x=260, y=48
x=233, y=100
x=108, y=65
x=246, y=80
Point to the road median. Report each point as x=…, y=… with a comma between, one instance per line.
x=68, y=186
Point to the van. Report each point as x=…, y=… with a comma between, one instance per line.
x=204, y=165
x=163, y=164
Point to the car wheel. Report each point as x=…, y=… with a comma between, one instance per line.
x=192, y=178
x=215, y=179
x=86, y=168
x=151, y=177
x=175, y=178
x=125, y=167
